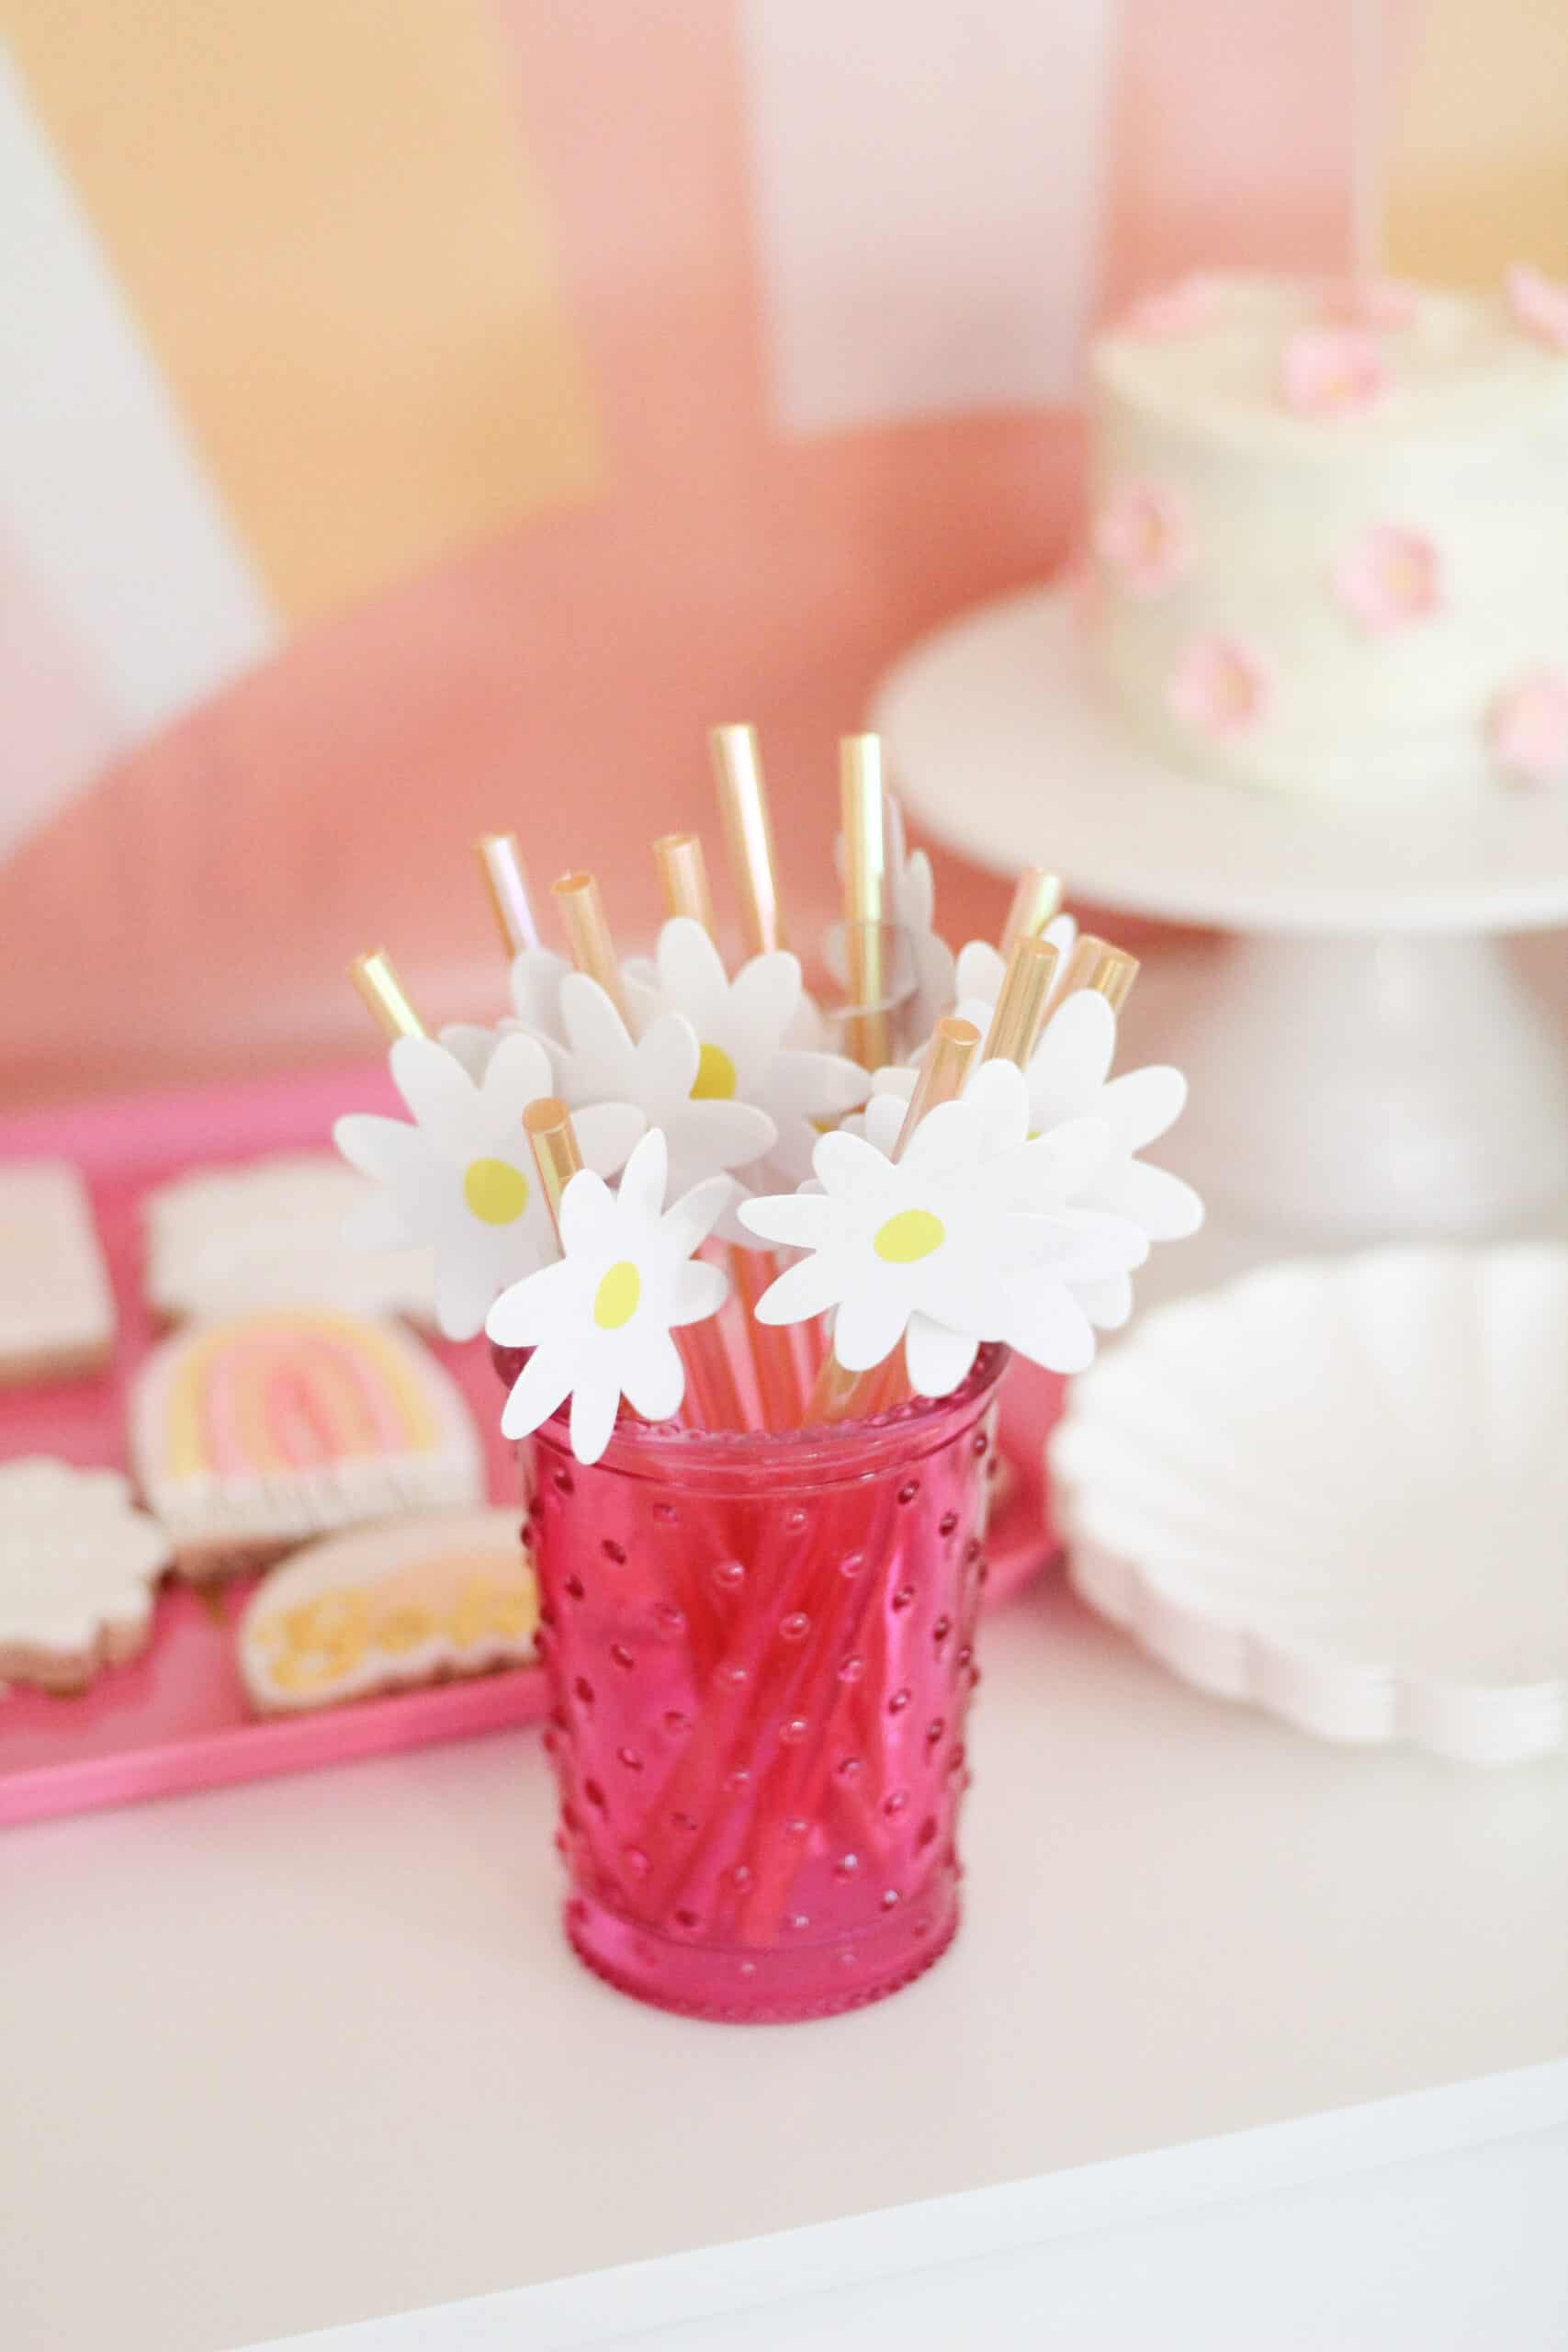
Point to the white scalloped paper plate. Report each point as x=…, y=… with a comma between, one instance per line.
x=1339, y=1489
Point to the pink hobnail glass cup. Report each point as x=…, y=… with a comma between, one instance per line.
x=761, y=1656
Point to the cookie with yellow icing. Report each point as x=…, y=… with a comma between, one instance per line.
x=385, y=1608
x=250, y=1434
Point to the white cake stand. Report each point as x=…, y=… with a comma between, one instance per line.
x=1370, y=1063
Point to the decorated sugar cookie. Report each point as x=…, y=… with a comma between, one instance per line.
x=388, y=1607
x=78, y=1565
x=223, y=1240
x=57, y=1312
x=250, y=1433
x=459, y=1178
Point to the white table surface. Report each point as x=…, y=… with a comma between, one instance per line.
x=299, y=2055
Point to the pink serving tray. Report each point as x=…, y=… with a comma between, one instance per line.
x=176, y=1719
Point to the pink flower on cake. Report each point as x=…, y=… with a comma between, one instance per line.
x=1369, y=303
x=1140, y=533
x=1176, y=308
x=1528, y=727
x=1540, y=305
x=1389, y=579
x=1219, y=687
x=1329, y=371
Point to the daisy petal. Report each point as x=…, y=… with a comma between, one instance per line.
x=524, y=1312
x=689, y=1221
x=438, y=1090
x=798, y=1220
x=1054, y=1167
x=1046, y=1323
x=691, y=975
x=698, y=1291
x=470, y=1043
x=542, y=1386
x=883, y=1121
x=654, y=1378
x=1069, y=1065
x=936, y=1359
x=706, y=1137
x=1140, y=1107
x=641, y=1190
x=810, y=1086
x=596, y=1401
x=587, y=1206
x=870, y=1324
x=668, y=1055
x=764, y=996
x=848, y=1164
x=465, y=1293
x=803, y=1290
x=606, y=1133
x=980, y=971
x=594, y=1032
x=1107, y=1303
x=387, y=1149
x=518, y=1073
x=1161, y=1205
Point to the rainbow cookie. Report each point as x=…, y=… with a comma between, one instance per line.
x=383, y=1608
x=78, y=1564
x=250, y=1434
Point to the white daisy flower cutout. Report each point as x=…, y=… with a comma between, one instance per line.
x=535, y=983
x=599, y=1320
x=935, y=1248
x=744, y=1028
x=462, y=1177
x=663, y=1073
x=912, y=893
x=1069, y=1078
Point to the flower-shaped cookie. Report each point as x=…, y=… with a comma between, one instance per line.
x=599, y=1320
x=966, y=1237
x=461, y=1177
x=662, y=1071
x=78, y=1564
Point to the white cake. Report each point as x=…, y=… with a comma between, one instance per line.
x=1329, y=531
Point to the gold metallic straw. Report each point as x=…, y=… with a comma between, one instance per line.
x=1108, y=971
x=552, y=1139
x=383, y=992
x=508, y=887
x=749, y=836
x=864, y=823
x=1036, y=899
x=683, y=876
x=588, y=935
x=1020, y=1007
x=837, y=1395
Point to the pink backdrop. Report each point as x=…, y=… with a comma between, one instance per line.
x=191, y=912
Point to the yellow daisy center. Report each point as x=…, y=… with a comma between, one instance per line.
x=496, y=1192
x=912, y=1234
x=715, y=1081
x=615, y=1300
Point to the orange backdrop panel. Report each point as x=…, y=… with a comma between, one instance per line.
x=323, y=218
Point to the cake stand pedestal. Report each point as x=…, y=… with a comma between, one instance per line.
x=1367, y=1061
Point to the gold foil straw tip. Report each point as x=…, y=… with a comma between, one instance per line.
x=749, y=836
x=1108, y=971
x=942, y=1072
x=384, y=994
x=1020, y=1007
x=587, y=934
x=508, y=887
x=684, y=877
x=552, y=1139
x=1036, y=899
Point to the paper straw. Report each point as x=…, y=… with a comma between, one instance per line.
x=749, y=836
x=1108, y=971
x=588, y=935
x=863, y=820
x=507, y=885
x=1020, y=1007
x=552, y=1139
x=384, y=994
x=682, y=874
x=1036, y=899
